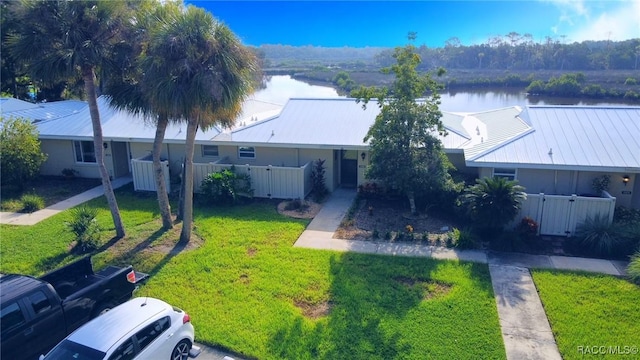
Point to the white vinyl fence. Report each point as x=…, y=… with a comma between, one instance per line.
x=559, y=214
x=143, y=179
x=266, y=181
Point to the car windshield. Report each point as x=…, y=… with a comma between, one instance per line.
x=69, y=350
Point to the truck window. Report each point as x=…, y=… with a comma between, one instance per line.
x=39, y=302
x=11, y=317
x=151, y=332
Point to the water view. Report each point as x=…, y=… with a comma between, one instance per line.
x=282, y=87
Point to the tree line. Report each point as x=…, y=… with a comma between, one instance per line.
x=512, y=51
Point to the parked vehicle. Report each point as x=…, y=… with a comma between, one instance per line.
x=39, y=312
x=141, y=328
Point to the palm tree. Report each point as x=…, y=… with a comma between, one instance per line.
x=133, y=80
x=493, y=202
x=200, y=73
x=66, y=39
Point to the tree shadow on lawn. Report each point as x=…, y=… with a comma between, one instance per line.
x=369, y=303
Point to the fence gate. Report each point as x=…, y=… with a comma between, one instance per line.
x=559, y=215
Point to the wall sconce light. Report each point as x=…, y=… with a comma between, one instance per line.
x=105, y=145
x=625, y=180
x=363, y=155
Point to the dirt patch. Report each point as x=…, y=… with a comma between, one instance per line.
x=251, y=252
x=298, y=209
x=52, y=189
x=244, y=279
x=381, y=219
x=431, y=289
x=314, y=311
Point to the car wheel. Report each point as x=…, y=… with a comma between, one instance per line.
x=181, y=351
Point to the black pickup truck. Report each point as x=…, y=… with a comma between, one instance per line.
x=37, y=313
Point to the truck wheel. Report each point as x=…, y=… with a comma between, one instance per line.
x=181, y=351
x=101, y=309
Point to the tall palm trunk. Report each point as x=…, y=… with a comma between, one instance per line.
x=161, y=187
x=88, y=75
x=187, y=219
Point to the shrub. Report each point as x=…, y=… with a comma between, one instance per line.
x=527, y=228
x=21, y=153
x=85, y=228
x=375, y=234
x=31, y=203
x=599, y=237
x=600, y=184
x=630, y=81
x=462, y=239
x=318, y=186
x=634, y=268
x=492, y=203
x=226, y=187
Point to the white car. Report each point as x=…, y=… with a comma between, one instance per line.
x=141, y=328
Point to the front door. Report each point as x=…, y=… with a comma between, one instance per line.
x=349, y=168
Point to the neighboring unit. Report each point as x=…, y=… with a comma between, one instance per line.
x=142, y=328
x=39, y=312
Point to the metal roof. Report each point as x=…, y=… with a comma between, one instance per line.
x=330, y=123
x=40, y=111
x=572, y=137
x=118, y=125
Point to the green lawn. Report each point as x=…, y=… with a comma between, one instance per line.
x=248, y=290
x=590, y=313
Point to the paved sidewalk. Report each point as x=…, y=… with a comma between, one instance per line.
x=36, y=217
x=525, y=328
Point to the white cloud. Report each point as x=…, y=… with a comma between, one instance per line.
x=583, y=20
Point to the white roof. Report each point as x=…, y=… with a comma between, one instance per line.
x=330, y=123
x=41, y=111
x=571, y=137
x=118, y=125
x=118, y=322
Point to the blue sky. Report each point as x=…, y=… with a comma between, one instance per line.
x=385, y=23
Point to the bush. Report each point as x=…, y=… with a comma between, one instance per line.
x=318, y=186
x=31, y=203
x=630, y=81
x=528, y=228
x=596, y=236
x=462, y=239
x=634, y=268
x=21, y=154
x=226, y=187
x=85, y=228
x=296, y=204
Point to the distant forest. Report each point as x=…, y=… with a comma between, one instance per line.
x=510, y=52
x=593, y=69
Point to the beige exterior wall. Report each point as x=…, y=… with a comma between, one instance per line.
x=60, y=156
x=550, y=182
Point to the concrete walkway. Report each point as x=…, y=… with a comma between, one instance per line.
x=525, y=329
x=36, y=217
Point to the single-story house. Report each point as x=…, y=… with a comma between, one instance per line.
x=554, y=150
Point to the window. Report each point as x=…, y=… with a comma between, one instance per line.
x=126, y=351
x=509, y=174
x=151, y=332
x=11, y=317
x=209, y=150
x=39, y=302
x=247, y=152
x=85, y=152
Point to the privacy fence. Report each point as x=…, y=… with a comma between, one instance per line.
x=560, y=215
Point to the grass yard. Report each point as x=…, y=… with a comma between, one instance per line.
x=590, y=313
x=248, y=290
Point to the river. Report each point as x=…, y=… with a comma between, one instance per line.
x=280, y=88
